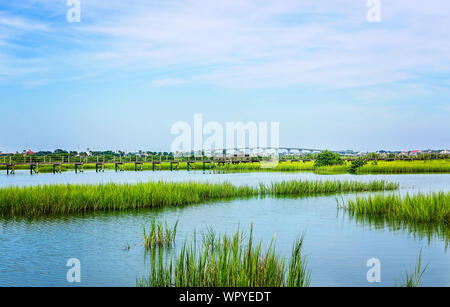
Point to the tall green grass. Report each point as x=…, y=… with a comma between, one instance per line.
x=414, y=279
x=228, y=261
x=406, y=167
x=419, y=208
x=322, y=187
x=160, y=235
x=68, y=199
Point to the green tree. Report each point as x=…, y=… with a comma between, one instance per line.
x=327, y=158
x=356, y=164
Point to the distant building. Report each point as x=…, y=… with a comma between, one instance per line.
x=28, y=152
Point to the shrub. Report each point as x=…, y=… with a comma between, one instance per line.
x=326, y=158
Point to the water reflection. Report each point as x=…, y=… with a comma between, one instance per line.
x=418, y=231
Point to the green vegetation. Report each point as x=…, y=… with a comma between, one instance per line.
x=280, y=167
x=355, y=165
x=414, y=279
x=69, y=199
x=160, y=235
x=420, y=208
x=371, y=167
x=322, y=187
x=406, y=167
x=227, y=261
x=327, y=158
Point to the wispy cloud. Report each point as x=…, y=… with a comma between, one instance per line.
x=445, y=108
x=254, y=44
x=36, y=83
x=20, y=24
x=167, y=82
x=303, y=57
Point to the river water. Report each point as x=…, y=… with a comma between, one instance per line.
x=35, y=252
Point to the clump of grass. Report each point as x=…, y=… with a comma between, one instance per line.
x=257, y=166
x=414, y=279
x=307, y=187
x=160, y=235
x=419, y=208
x=228, y=261
x=403, y=167
x=40, y=200
x=32, y=201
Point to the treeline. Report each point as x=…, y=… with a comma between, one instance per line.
x=66, y=153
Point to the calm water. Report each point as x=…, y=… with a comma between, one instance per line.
x=338, y=247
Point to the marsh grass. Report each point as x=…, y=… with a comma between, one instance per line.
x=32, y=201
x=406, y=167
x=160, y=235
x=305, y=188
x=228, y=261
x=433, y=207
x=414, y=279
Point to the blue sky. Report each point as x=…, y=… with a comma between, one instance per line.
x=122, y=76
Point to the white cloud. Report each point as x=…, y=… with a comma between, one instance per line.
x=257, y=44
x=36, y=83
x=245, y=43
x=20, y=24
x=167, y=82
x=445, y=108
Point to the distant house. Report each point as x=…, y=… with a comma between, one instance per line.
x=28, y=152
x=414, y=152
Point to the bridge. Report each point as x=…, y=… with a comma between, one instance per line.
x=57, y=162
x=267, y=149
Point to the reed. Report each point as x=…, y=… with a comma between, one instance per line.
x=160, y=235
x=406, y=167
x=414, y=279
x=228, y=261
x=305, y=188
x=39, y=200
x=419, y=208
x=374, y=167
